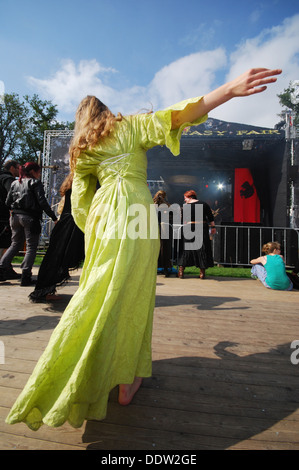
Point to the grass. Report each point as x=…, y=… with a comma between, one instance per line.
x=19, y=259
x=220, y=271
x=215, y=271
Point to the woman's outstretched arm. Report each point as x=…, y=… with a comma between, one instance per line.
x=249, y=83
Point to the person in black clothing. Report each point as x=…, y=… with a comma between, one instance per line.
x=65, y=251
x=165, y=230
x=200, y=257
x=27, y=201
x=7, y=177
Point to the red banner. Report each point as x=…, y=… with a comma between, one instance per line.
x=246, y=200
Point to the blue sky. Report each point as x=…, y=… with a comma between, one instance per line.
x=142, y=54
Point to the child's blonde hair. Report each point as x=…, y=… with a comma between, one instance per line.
x=270, y=247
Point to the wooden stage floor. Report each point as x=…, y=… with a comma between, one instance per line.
x=222, y=371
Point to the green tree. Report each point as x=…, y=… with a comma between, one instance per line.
x=42, y=116
x=289, y=101
x=22, y=126
x=13, y=116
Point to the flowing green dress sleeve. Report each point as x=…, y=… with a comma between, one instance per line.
x=157, y=127
x=83, y=189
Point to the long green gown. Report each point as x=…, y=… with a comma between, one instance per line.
x=104, y=336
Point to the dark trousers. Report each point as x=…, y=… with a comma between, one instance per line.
x=23, y=228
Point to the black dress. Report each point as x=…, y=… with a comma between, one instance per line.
x=65, y=252
x=165, y=219
x=203, y=257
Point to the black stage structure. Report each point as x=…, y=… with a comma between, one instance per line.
x=210, y=156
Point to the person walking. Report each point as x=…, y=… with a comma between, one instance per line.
x=27, y=201
x=7, y=176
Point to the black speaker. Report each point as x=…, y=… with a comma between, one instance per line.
x=294, y=172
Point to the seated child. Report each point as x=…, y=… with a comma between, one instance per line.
x=270, y=269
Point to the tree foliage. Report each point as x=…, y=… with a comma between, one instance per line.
x=286, y=99
x=13, y=116
x=22, y=126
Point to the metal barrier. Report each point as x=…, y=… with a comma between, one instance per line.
x=237, y=245
x=232, y=245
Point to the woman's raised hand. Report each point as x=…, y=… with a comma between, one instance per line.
x=249, y=83
x=253, y=81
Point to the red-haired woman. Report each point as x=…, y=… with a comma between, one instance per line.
x=200, y=257
x=27, y=201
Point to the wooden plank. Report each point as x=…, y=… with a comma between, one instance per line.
x=20, y=442
x=222, y=375
x=46, y=437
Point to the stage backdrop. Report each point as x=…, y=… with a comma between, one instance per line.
x=246, y=201
x=209, y=155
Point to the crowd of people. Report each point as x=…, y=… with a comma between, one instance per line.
x=103, y=338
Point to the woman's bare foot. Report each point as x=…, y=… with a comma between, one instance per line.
x=127, y=391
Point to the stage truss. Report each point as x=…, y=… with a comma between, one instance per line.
x=55, y=168
x=55, y=162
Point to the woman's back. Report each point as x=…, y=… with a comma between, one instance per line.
x=276, y=273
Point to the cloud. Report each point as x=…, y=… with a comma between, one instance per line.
x=69, y=85
x=179, y=80
x=194, y=74
x=72, y=83
x=277, y=47
x=188, y=76
x=202, y=36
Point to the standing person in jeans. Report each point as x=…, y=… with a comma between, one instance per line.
x=8, y=175
x=27, y=201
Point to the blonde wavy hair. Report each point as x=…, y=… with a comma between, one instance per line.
x=94, y=121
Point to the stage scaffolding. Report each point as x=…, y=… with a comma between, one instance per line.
x=55, y=168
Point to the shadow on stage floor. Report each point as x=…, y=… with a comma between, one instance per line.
x=194, y=403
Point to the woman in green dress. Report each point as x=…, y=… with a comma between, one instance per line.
x=104, y=336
